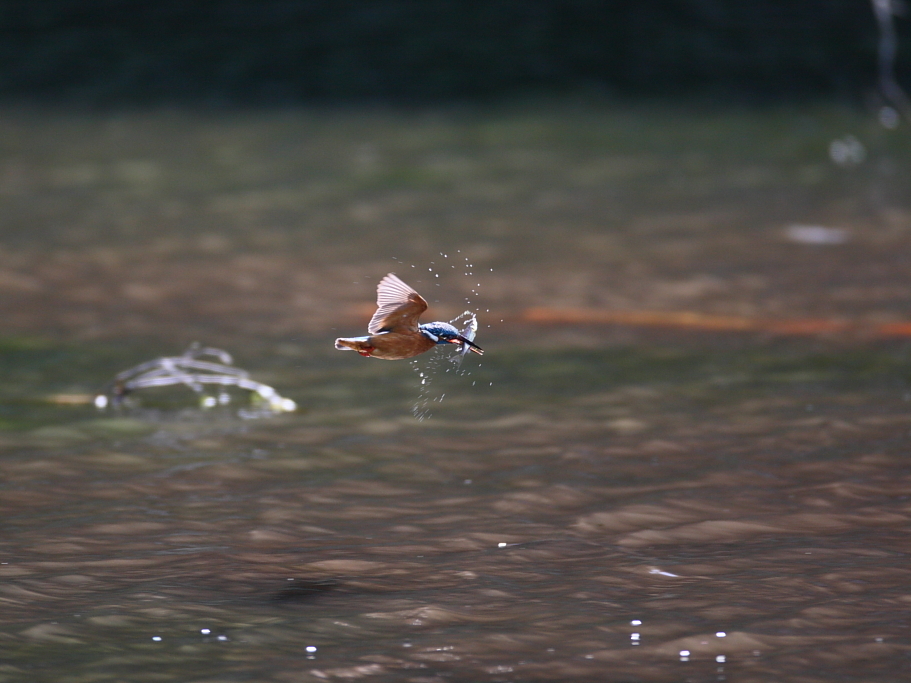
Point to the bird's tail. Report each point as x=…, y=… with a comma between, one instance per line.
x=358, y=344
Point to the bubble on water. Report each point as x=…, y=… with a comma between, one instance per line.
x=847, y=152
x=889, y=118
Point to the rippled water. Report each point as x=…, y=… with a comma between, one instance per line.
x=592, y=515
x=589, y=502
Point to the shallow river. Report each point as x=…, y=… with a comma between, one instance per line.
x=587, y=501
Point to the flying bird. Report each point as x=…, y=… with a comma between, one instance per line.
x=394, y=332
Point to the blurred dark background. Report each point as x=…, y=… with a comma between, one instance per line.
x=104, y=52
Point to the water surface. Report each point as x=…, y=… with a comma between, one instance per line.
x=592, y=513
x=588, y=502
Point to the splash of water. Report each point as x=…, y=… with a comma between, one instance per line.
x=896, y=99
x=441, y=359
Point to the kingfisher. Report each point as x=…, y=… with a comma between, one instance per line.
x=394, y=332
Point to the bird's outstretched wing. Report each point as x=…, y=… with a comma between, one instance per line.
x=398, y=306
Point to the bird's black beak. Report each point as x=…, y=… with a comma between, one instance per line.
x=471, y=345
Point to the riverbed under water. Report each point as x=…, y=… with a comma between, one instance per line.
x=584, y=502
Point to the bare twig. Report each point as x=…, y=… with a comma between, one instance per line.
x=193, y=373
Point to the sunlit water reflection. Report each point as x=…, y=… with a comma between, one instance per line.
x=653, y=514
x=585, y=504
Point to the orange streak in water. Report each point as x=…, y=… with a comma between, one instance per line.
x=708, y=322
